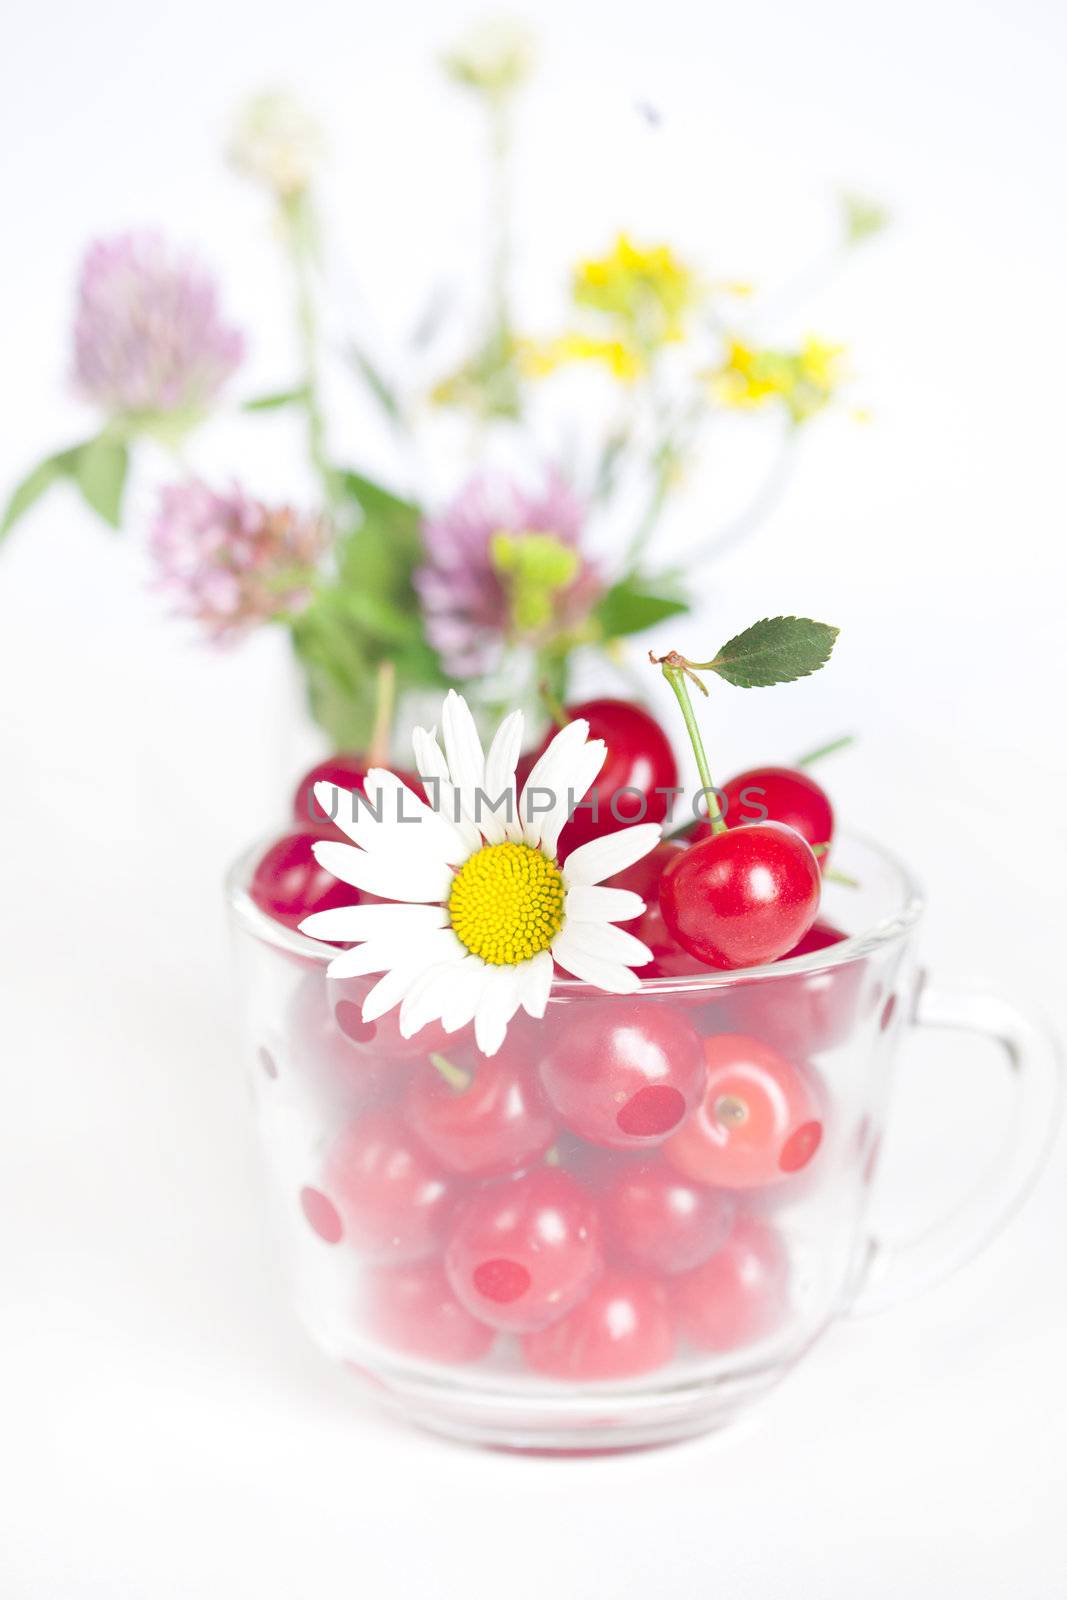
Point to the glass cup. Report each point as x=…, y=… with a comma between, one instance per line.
x=530, y=1263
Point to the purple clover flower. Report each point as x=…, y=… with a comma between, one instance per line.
x=229, y=561
x=148, y=334
x=465, y=601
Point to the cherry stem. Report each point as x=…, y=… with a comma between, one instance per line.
x=826, y=750
x=552, y=704
x=385, y=702
x=678, y=671
x=454, y=1076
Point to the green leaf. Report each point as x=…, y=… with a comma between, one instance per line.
x=275, y=402
x=32, y=488
x=379, y=387
x=634, y=604
x=375, y=500
x=99, y=470
x=378, y=617
x=379, y=557
x=368, y=614
x=774, y=650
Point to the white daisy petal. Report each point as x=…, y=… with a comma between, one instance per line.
x=370, y=922
x=407, y=969
x=429, y=760
x=370, y=817
x=389, y=991
x=395, y=950
x=440, y=791
x=347, y=809
x=548, y=774
x=611, y=853
x=611, y=976
x=589, y=903
x=425, y=1000
x=498, y=1004
x=607, y=943
x=409, y=823
x=360, y=962
x=463, y=749
x=500, y=779
x=392, y=875
x=581, y=772
x=535, y=982
x=467, y=981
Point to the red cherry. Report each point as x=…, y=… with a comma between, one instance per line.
x=659, y=1220
x=489, y=1124
x=316, y=1050
x=742, y=898
x=347, y=771
x=621, y=1329
x=639, y=759
x=807, y=1013
x=776, y=794
x=623, y=1073
x=669, y=960
x=524, y=766
x=382, y=1037
x=412, y=1308
x=288, y=883
x=393, y=1199
x=820, y=936
x=737, y=1296
x=524, y=1251
x=759, y=1122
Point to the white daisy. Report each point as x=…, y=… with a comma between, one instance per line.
x=481, y=907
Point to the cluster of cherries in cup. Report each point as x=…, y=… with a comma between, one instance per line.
x=602, y=1188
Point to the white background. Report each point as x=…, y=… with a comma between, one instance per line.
x=167, y=1431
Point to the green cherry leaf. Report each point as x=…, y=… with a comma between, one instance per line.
x=99, y=470
x=774, y=650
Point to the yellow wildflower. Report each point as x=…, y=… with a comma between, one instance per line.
x=647, y=289
x=540, y=360
x=803, y=380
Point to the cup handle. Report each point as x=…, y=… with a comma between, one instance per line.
x=1030, y=1051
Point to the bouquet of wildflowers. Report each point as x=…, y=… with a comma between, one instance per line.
x=499, y=586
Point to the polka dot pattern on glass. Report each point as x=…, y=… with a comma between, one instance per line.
x=267, y=1062
x=321, y=1215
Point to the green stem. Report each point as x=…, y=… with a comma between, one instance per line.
x=826, y=750
x=677, y=671
x=454, y=1076
x=552, y=704
x=298, y=222
x=500, y=179
x=378, y=750
x=676, y=434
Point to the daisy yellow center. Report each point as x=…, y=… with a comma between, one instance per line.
x=506, y=903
